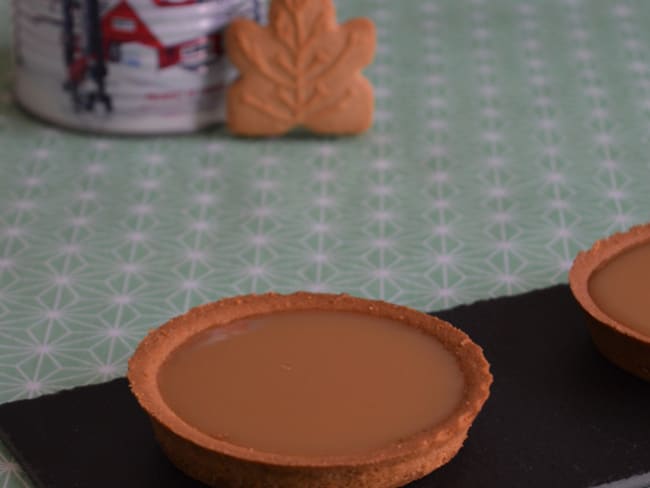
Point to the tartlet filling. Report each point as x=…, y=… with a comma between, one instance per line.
x=313, y=383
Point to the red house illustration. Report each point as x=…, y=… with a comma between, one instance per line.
x=175, y=3
x=124, y=24
x=97, y=33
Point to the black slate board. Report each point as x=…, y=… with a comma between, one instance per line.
x=559, y=414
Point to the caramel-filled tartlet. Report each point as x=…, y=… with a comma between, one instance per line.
x=612, y=283
x=309, y=390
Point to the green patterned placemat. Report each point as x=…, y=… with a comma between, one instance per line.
x=508, y=136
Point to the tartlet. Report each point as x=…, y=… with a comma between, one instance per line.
x=218, y=462
x=620, y=343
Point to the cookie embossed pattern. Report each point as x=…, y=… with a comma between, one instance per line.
x=302, y=70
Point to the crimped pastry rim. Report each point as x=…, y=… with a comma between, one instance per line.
x=159, y=343
x=590, y=261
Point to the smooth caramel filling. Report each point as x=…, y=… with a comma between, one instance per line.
x=312, y=383
x=621, y=288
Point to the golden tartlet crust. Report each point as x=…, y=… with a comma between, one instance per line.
x=219, y=463
x=622, y=345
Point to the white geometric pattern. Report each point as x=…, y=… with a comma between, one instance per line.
x=561, y=222
x=508, y=135
x=506, y=261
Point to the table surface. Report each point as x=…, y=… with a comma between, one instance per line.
x=508, y=135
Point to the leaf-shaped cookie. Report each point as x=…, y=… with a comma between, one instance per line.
x=302, y=70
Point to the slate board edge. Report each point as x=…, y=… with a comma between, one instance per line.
x=638, y=481
x=27, y=470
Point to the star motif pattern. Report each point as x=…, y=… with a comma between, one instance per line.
x=508, y=135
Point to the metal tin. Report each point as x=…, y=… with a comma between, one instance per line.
x=125, y=66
